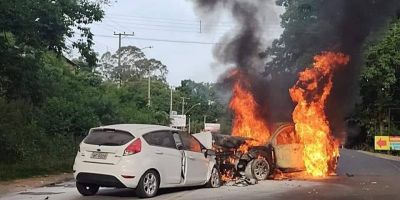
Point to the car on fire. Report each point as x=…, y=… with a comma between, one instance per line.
x=283, y=151
x=144, y=157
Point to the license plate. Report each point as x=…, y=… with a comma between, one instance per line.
x=99, y=155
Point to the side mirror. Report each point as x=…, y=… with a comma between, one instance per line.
x=208, y=152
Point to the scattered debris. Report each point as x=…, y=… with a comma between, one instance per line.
x=242, y=182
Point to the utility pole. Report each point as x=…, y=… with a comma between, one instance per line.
x=205, y=120
x=149, y=81
x=148, y=91
x=183, y=104
x=200, y=26
x=119, y=52
x=170, y=104
x=189, y=124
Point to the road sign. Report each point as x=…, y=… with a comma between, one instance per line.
x=382, y=143
x=178, y=121
x=394, y=143
x=212, y=127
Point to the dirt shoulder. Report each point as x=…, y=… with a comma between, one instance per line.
x=29, y=183
x=381, y=155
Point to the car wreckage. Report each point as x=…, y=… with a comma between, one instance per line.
x=282, y=152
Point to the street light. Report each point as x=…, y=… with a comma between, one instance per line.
x=149, y=81
x=197, y=104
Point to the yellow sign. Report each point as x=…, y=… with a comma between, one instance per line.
x=382, y=143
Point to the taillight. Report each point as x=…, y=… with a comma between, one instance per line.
x=133, y=148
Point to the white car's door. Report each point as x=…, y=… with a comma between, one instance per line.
x=166, y=155
x=288, y=150
x=196, y=164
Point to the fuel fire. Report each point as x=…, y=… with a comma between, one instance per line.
x=246, y=123
x=310, y=93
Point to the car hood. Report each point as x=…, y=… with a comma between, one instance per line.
x=205, y=138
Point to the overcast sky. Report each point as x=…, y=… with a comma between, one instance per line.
x=173, y=29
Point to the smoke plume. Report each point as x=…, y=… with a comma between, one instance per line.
x=241, y=48
x=333, y=25
x=343, y=26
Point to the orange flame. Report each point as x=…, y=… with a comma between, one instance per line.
x=310, y=93
x=246, y=123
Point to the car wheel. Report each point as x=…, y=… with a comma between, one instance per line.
x=257, y=169
x=148, y=184
x=215, y=179
x=87, y=189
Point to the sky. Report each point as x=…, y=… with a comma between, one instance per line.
x=172, y=28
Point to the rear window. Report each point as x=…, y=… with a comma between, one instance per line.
x=108, y=137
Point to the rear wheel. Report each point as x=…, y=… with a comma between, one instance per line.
x=215, y=179
x=257, y=169
x=148, y=184
x=87, y=189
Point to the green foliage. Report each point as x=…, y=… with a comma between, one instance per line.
x=48, y=103
x=133, y=66
x=380, y=88
x=44, y=25
x=210, y=104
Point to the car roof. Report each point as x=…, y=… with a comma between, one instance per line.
x=136, y=129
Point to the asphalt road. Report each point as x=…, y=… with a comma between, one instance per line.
x=360, y=176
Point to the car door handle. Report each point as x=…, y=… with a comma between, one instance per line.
x=191, y=157
x=159, y=153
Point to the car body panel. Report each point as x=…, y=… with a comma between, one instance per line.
x=287, y=148
x=170, y=163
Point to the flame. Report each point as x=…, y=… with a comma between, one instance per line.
x=246, y=123
x=310, y=93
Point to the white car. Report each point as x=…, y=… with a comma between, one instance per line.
x=144, y=157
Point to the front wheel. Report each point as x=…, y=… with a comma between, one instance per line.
x=87, y=189
x=148, y=184
x=257, y=169
x=215, y=179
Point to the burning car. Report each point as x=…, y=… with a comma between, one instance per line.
x=283, y=151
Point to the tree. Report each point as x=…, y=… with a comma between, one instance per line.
x=134, y=65
x=380, y=86
x=29, y=29
x=210, y=105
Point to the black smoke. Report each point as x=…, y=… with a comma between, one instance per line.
x=343, y=26
x=331, y=25
x=241, y=48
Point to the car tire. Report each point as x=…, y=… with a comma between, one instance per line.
x=257, y=169
x=87, y=189
x=215, y=179
x=148, y=184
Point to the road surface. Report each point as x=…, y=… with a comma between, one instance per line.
x=360, y=176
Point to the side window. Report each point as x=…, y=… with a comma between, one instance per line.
x=160, y=138
x=190, y=143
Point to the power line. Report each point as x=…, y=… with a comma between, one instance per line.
x=173, y=22
x=162, y=40
x=193, y=20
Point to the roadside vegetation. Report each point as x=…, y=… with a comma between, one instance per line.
x=48, y=103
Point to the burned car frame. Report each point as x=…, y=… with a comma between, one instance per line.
x=283, y=151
